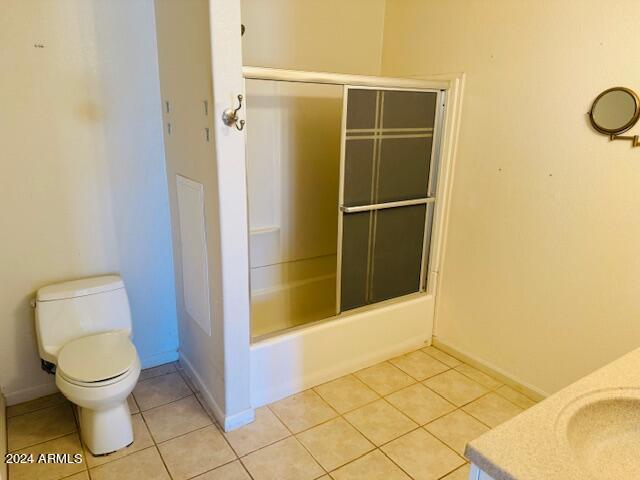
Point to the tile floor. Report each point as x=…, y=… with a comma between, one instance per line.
x=407, y=418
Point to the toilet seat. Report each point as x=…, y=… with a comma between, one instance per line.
x=97, y=360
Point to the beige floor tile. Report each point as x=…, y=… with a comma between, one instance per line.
x=461, y=473
x=157, y=371
x=422, y=456
x=195, y=453
x=79, y=476
x=373, y=466
x=37, y=404
x=141, y=440
x=516, y=397
x=456, y=429
x=49, y=471
x=40, y=426
x=419, y=365
x=442, y=356
x=285, y=460
x=480, y=377
x=455, y=387
x=160, y=391
x=419, y=403
x=346, y=393
x=231, y=471
x=133, y=406
x=264, y=430
x=384, y=378
x=145, y=464
x=177, y=418
x=302, y=410
x=335, y=443
x=492, y=409
x=380, y=422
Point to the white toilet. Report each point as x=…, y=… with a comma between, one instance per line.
x=84, y=333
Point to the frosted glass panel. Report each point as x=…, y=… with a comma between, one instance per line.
x=361, y=109
x=358, y=172
x=403, y=168
x=355, y=257
x=397, y=252
x=409, y=109
x=387, y=159
x=293, y=163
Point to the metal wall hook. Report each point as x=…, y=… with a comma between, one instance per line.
x=230, y=116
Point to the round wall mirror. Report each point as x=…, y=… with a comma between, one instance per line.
x=615, y=110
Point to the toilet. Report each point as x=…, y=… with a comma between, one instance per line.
x=84, y=336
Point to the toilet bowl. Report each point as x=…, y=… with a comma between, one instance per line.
x=84, y=330
x=97, y=373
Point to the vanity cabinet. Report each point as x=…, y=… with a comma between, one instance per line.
x=476, y=474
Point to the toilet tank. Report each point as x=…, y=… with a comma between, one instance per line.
x=69, y=310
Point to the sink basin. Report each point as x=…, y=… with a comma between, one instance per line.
x=603, y=433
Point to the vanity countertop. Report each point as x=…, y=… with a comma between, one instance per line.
x=535, y=445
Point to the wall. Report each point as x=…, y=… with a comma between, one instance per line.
x=541, y=276
x=318, y=35
x=83, y=181
x=183, y=34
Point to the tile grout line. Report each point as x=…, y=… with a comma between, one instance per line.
x=222, y=433
x=215, y=468
x=155, y=445
x=165, y=404
x=57, y=437
x=302, y=431
x=37, y=409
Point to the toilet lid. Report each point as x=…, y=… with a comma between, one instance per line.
x=97, y=357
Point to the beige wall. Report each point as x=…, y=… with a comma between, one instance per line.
x=82, y=188
x=542, y=271
x=321, y=35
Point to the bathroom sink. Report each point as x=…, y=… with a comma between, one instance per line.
x=602, y=431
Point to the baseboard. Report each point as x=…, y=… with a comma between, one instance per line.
x=30, y=393
x=159, y=359
x=3, y=437
x=228, y=422
x=504, y=376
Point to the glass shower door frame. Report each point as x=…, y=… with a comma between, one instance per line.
x=429, y=200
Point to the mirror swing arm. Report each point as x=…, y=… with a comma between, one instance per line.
x=635, y=139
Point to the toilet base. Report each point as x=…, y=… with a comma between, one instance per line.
x=105, y=431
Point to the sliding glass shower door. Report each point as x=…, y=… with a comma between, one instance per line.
x=387, y=193
x=341, y=183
